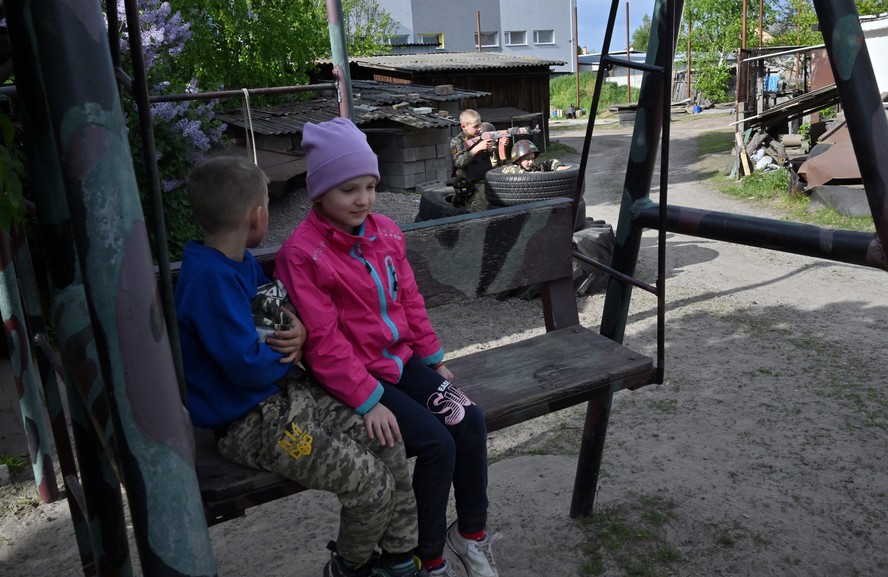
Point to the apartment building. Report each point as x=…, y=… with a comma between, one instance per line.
x=539, y=28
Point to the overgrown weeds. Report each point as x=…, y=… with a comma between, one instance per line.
x=628, y=539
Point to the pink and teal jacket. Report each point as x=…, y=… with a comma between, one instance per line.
x=357, y=296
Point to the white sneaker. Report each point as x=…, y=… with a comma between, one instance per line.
x=476, y=556
x=444, y=571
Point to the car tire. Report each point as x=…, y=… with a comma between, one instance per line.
x=523, y=187
x=519, y=188
x=437, y=203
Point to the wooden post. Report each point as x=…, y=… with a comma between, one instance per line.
x=478, y=16
x=761, y=21
x=688, y=79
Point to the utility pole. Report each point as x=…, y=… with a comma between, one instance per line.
x=576, y=56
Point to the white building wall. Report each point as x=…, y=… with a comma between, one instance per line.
x=459, y=24
x=875, y=31
x=533, y=16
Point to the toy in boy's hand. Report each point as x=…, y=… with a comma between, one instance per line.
x=496, y=134
x=268, y=310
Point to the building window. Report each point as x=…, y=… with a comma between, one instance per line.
x=431, y=39
x=397, y=39
x=516, y=37
x=488, y=39
x=544, y=37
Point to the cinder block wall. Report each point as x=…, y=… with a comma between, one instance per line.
x=410, y=156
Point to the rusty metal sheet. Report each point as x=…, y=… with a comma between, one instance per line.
x=837, y=164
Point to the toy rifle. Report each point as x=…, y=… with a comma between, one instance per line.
x=497, y=134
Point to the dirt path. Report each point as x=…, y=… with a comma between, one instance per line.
x=760, y=454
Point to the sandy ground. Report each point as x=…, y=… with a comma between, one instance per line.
x=758, y=456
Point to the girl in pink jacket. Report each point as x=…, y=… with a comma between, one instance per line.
x=370, y=343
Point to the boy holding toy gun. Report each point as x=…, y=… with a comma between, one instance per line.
x=474, y=152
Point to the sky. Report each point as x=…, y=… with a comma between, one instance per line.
x=592, y=21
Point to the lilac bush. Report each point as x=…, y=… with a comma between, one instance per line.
x=183, y=131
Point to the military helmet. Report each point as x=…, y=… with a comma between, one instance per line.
x=486, y=127
x=522, y=148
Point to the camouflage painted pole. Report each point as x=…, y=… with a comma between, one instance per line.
x=27, y=388
x=339, y=49
x=145, y=425
x=646, y=138
x=859, y=93
x=101, y=537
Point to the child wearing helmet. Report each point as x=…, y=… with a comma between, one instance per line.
x=524, y=155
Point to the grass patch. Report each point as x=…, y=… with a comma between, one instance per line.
x=626, y=539
x=557, y=149
x=771, y=189
x=563, y=92
x=714, y=142
x=15, y=464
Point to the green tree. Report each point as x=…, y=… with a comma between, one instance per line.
x=258, y=43
x=642, y=35
x=870, y=7
x=716, y=27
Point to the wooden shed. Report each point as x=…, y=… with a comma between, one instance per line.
x=520, y=82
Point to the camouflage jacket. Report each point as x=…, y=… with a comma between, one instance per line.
x=472, y=167
x=545, y=166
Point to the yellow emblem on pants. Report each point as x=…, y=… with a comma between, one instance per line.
x=297, y=442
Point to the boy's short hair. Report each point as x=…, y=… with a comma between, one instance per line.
x=223, y=190
x=468, y=116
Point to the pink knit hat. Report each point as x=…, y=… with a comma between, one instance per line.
x=337, y=151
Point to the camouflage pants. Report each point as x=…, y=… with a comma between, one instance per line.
x=306, y=435
x=477, y=201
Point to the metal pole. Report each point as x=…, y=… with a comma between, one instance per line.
x=688, y=71
x=628, y=58
x=859, y=93
x=35, y=421
x=142, y=422
x=339, y=50
x=576, y=56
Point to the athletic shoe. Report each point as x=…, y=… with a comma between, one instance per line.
x=411, y=571
x=338, y=567
x=476, y=556
x=444, y=570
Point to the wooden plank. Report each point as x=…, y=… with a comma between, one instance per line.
x=744, y=159
x=519, y=381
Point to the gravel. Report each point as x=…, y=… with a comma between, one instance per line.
x=288, y=211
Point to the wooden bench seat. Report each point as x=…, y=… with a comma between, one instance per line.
x=465, y=257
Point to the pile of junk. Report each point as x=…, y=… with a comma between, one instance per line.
x=820, y=160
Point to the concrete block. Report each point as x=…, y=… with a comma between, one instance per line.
x=397, y=154
x=442, y=149
x=444, y=89
x=429, y=151
x=430, y=185
x=5, y=477
x=401, y=168
x=393, y=181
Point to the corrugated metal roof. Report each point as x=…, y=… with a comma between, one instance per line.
x=451, y=61
x=388, y=93
x=372, y=101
